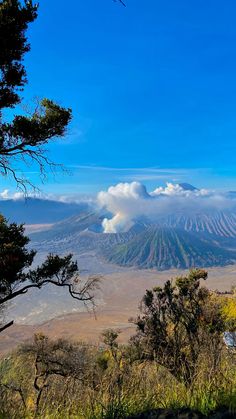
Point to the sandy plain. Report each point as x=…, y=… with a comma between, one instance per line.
x=118, y=300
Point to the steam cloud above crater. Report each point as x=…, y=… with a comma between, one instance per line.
x=128, y=201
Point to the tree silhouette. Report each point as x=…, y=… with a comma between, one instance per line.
x=23, y=139
x=16, y=277
x=178, y=321
x=120, y=1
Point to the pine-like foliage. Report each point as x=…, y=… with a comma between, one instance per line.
x=24, y=137
x=178, y=322
x=16, y=277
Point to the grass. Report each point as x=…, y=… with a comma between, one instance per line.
x=128, y=390
x=61, y=379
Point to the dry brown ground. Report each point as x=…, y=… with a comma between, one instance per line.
x=121, y=294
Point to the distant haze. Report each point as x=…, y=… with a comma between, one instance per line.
x=124, y=202
x=128, y=201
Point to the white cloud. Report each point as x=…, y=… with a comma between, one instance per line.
x=128, y=201
x=6, y=194
x=119, y=200
x=66, y=198
x=129, y=169
x=177, y=190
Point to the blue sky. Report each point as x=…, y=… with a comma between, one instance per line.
x=152, y=87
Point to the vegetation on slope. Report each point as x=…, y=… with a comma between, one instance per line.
x=165, y=248
x=177, y=360
x=215, y=223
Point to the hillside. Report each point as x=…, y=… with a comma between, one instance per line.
x=38, y=211
x=176, y=240
x=217, y=223
x=165, y=248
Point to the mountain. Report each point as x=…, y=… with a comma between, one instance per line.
x=39, y=211
x=177, y=239
x=188, y=187
x=165, y=248
x=84, y=221
x=215, y=223
x=78, y=234
x=231, y=194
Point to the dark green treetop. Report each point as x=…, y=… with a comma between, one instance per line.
x=177, y=322
x=24, y=137
x=16, y=277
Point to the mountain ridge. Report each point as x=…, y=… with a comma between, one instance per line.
x=180, y=237
x=166, y=248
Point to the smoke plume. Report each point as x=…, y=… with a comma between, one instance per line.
x=129, y=201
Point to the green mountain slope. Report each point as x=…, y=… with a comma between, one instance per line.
x=165, y=248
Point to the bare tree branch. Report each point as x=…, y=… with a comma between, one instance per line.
x=2, y=328
x=84, y=294
x=120, y=1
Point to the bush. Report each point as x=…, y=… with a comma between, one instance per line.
x=63, y=379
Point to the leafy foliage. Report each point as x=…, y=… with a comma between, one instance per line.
x=16, y=277
x=59, y=378
x=23, y=138
x=14, y=20
x=14, y=256
x=179, y=321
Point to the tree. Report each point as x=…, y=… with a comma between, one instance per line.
x=24, y=138
x=16, y=277
x=59, y=358
x=44, y=372
x=120, y=1
x=179, y=322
